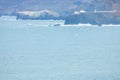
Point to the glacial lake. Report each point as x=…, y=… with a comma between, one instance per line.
x=34, y=50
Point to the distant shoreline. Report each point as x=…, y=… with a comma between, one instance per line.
x=59, y=24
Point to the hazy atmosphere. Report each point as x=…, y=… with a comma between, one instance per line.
x=59, y=40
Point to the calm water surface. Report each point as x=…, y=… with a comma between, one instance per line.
x=30, y=50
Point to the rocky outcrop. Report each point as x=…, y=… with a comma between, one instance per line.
x=108, y=13
x=43, y=14
x=95, y=18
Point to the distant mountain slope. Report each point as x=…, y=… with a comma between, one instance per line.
x=63, y=7
x=106, y=4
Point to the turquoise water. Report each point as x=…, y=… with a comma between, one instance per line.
x=31, y=50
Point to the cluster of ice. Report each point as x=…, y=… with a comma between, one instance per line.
x=78, y=12
x=39, y=13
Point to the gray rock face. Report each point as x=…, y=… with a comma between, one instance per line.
x=93, y=18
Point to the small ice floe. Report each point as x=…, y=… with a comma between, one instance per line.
x=77, y=25
x=111, y=25
x=85, y=24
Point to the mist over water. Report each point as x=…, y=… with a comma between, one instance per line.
x=33, y=50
